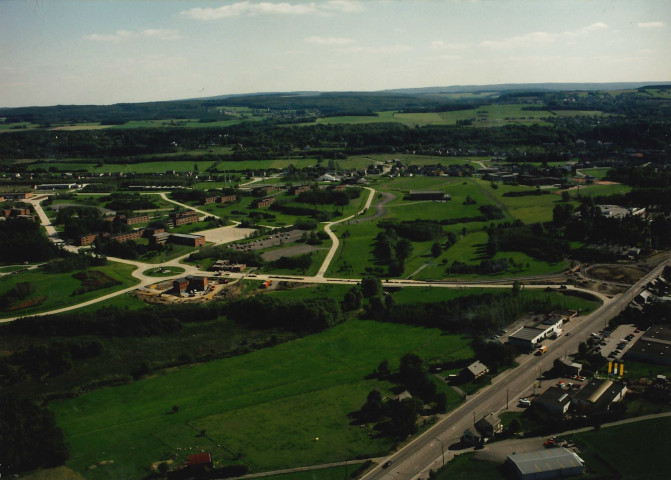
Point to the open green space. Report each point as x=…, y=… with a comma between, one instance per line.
x=265, y=409
x=55, y=290
x=341, y=472
x=466, y=467
x=631, y=451
x=163, y=271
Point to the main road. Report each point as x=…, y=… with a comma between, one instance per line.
x=414, y=460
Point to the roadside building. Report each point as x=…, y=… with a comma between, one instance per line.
x=471, y=438
x=473, y=371
x=529, y=336
x=599, y=395
x=489, y=425
x=654, y=346
x=545, y=464
x=554, y=400
x=569, y=368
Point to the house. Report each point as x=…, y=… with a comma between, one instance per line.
x=474, y=370
x=599, y=394
x=545, y=464
x=489, y=425
x=471, y=438
x=327, y=177
x=554, y=400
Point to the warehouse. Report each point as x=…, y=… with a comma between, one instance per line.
x=531, y=335
x=545, y=464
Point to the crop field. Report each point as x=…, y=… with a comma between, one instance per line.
x=598, y=173
x=265, y=409
x=633, y=450
x=56, y=290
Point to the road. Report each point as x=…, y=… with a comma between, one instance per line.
x=416, y=458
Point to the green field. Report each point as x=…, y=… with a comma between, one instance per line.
x=465, y=467
x=632, y=451
x=53, y=290
x=265, y=409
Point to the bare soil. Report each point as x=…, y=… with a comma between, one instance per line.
x=629, y=274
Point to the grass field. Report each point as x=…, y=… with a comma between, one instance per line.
x=465, y=467
x=265, y=408
x=52, y=291
x=631, y=451
x=341, y=472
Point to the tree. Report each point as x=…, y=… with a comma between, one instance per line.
x=383, y=368
x=436, y=250
x=441, y=402
x=373, y=409
x=370, y=286
x=565, y=196
x=516, y=288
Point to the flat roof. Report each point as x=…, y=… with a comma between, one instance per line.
x=527, y=333
x=546, y=460
x=185, y=235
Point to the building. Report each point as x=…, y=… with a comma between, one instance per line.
x=599, y=394
x=212, y=199
x=428, y=195
x=200, y=460
x=135, y=220
x=159, y=238
x=263, y=202
x=197, y=282
x=654, y=346
x=183, y=218
x=474, y=370
x=86, y=239
x=471, y=438
x=545, y=464
x=187, y=239
x=227, y=266
x=296, y=189
x=227, y=198
x=489, y=425
x=264, y=190
x=529, y=336
x=554, y=400
x=180, y=284
x=570, y=368
x=56, y=186
x=126, y=236
x=339, y=188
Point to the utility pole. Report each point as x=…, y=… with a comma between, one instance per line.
x=506, y=398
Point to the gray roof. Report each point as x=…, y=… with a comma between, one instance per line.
x=546, y=460
x=477, y=368
x=527, y=333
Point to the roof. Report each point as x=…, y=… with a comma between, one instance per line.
x=569, y=363
x=546, y=460
x=491, y=420
x=599, y=390
x=182, y=280
x=185, y=235
x=199, y=459
x=527, y=333
x=554, y=395
x=477, y=368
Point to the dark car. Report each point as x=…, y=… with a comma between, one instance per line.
x=387, y=464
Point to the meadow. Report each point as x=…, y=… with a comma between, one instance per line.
x=265, y=409
x=56, y=290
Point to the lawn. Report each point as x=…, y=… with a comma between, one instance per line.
x=265, y=408
x=465, y=467
x=332, y=473
x=56, y=290
x=633, y=451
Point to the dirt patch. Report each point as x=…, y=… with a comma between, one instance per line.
x=291, y=251
x=616, y=273
x=93, y=280
x=28, y=303
x=58, y=473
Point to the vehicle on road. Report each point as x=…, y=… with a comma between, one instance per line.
x=525, y=402
x=541, y=350
x=387, y=464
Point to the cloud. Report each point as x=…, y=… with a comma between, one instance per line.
x=328, y=40
x=535, y=38
x=249, y=9
x=651, y=25
x=384, y=50
x=440, y=45
x=123, y=35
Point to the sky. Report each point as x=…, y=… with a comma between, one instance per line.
x=105, y=52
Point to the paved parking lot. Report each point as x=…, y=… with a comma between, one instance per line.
x=616, y=344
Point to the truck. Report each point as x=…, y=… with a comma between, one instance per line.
x=541, y=350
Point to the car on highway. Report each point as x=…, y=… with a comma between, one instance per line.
x=524, y=402
x=387, y=464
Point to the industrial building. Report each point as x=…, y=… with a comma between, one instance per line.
x=529, y=336
x=428, y=195
x=545, y=464
x=554, y=400
x=654, y=346
x=599, y=395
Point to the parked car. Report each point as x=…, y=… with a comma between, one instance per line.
x=524, y=402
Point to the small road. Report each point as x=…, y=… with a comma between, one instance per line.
x=188, y=207
x=334, y=239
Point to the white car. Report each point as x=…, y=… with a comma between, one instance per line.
x=525, y=402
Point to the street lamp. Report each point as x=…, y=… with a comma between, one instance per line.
x=442, y=449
